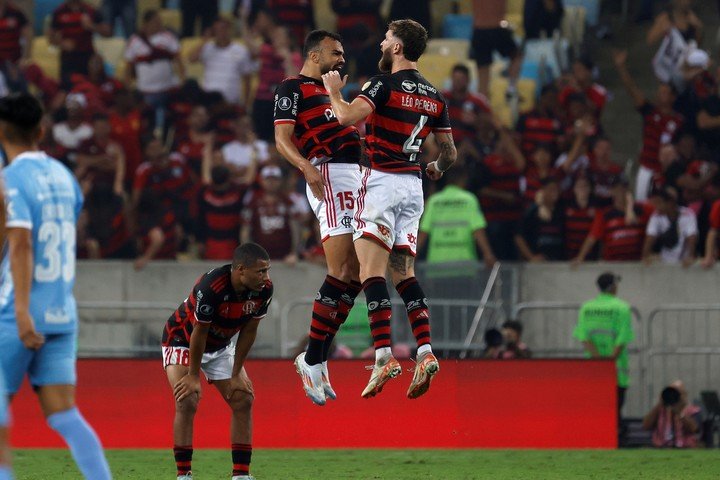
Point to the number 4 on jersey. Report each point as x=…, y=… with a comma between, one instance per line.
x=412, y=144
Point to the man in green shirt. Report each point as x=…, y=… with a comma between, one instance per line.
x=605, y=329
x=454, y=223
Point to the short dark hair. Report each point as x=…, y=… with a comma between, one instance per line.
x=313, y=39
x=462, y=68
x=150, y=14
x=21, y=114
x=249, y=253
x=513, y=325
x=413, y=36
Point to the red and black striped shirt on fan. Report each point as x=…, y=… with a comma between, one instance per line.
x=68, y=22
x=214, y=301
x=621, y=241
x=658, y=130
x=219, y=220
x=406, y=108
x=578, y=222
x=535, y=128
x=12, y=22
x=304, y=102
x=499, y=173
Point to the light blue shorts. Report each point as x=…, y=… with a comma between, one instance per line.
x=52, y=364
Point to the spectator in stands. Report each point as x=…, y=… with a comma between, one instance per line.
x=674, y=421
x=541, y=18
x=104, y=227
x=123, y=10
x=16, y=33
x=538, y=170
x=168, y=177
x=71, y=29
x=671, y=231
x=491, y=34
x=680, y=17
x=153, y=57
x=227, y=64
x=698, y=85
x=597, y=165
x=581, y=81
x=350, y=14
x=268, y=218
x=100, y=160
x=493, y=343
x=296, y=15
x=497, y=184
x=157, y=229
x=620, y=229
x=192, y=145
x=97, y=87
x=711, y=241
x=514, y=347
x=246, y=153
x=541, y=124
x=454, y=224
x=708, y=124
x=463, y=105
x=605, y=329
x=660, y=122
x=219, y=219
x=71, y=132
x=579, y=216
x=418, y=10
x=50, y=145
x=279, y=59
x=126, y=128
x=192, y=10
x=540, y=234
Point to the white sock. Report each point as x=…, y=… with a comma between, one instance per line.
x=382, y=353
x=423, y=349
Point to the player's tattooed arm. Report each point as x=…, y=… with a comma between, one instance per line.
x=447, y=156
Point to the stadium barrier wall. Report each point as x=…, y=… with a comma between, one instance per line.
x=472, y=404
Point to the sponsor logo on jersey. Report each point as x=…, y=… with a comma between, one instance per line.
x=284, y=103
x=205, y=309
x=408, y=86
x=412, y=239
x=372, y=306
x=383, y=230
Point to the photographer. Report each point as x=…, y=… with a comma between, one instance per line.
x=673, y=421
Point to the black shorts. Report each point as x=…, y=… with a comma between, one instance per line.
x=485, y=41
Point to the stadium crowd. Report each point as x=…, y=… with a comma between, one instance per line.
x=173, y=166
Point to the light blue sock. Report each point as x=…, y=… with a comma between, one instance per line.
x=83, y=442
x=5, y=473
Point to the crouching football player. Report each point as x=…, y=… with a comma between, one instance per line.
x=225, y=301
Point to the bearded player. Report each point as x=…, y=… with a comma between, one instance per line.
x=225, y=301
x=403, y=109
x=309, y=136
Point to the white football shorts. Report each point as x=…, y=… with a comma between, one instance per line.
x=335, y=213
x=215, y=365
x=389, y=207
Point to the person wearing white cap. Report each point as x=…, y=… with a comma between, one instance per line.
x=660, y=122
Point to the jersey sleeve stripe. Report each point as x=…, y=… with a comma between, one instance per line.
x=442, y=129
x=288, y=121
x=363, y=97
x=19, y=224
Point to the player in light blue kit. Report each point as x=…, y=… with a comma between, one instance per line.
x=38, y=317
x=5, y=473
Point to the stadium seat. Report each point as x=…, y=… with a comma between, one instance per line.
x=458, y=26
x=465, y=7
x=192, y=70
x=592, y=10
x=46, y=56
x=527, y=89
x=544, y=52
x=171, y=19
x=452, y=47
x=436, y=68
x=145, y=5
x=516, y=23
x=515, y=7
x=42, y=9
x=111, y=50
x=325, y=17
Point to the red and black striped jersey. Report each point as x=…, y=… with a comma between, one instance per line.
x=219, y=220
x=578, y=222
x=535, y=128
x=658, y=130
x=12, y=22
x=406, y=108
x=621, y=241
x=474, y=103
x=269, y=218
x=500, y=173
x=171, y=181
x=533, y=182
x=214, y=301
x=166, y=221
x=68, y=21
x=304, y=102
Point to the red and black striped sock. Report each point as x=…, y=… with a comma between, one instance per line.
x=379, y=311
x=183, y=458
x=417, y=309
x=347, y=300
x=323, y=317
x=241, y=455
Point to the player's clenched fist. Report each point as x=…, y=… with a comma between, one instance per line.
x=333, y=82
x=187, y=385
x=433, y=172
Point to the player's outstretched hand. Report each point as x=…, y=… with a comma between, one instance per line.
x=30, y=338
x=432, y=171
x=316, y=183
x=186, y=386
x=333, y=81
x=240, y=384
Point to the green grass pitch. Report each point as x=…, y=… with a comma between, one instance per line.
x=392, y=464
